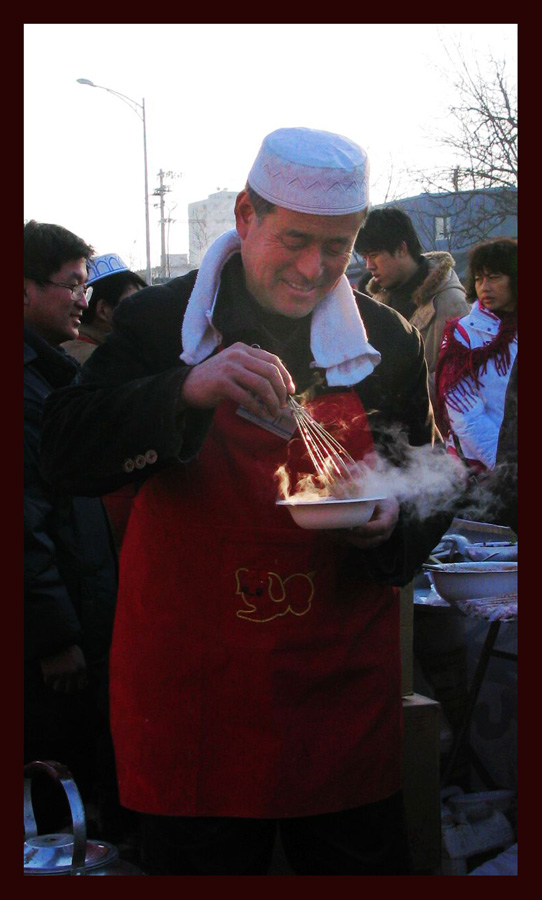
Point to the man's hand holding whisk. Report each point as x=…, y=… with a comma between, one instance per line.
x=246, y=375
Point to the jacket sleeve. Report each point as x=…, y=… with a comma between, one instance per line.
x=396, y=400
x=398, y=560
x=122, y=420
x=477, y=434
x=395, y=396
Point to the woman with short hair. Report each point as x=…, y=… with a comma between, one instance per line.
x=477, y=354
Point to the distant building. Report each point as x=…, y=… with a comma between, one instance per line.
x=177, y=264
x=454, y=221
x=207, y=220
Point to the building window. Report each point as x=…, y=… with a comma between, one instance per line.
x=442, y=227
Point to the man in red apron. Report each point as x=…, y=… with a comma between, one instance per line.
x=255, y=668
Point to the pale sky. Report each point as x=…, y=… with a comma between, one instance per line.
x=212, y=93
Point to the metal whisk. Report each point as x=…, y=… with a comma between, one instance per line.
x=337, y=469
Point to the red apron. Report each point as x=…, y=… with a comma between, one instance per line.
x=249, y=675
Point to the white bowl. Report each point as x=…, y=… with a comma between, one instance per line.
x=328, y=512
x=475, y=580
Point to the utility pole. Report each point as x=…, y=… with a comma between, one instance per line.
x=160, y=192
x=169, y=221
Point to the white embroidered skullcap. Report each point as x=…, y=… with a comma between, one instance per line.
x=102, y=266
x=312, y=172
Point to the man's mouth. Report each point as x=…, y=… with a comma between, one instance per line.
x=302, y=288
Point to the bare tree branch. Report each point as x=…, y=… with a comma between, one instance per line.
x=482, y=132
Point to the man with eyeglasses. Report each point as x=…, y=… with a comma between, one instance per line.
x=70, y=564
x=53, y=306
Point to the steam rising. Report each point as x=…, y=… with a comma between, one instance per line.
x=426, y=480
x=430, y=481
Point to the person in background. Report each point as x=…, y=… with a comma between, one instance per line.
x=70, y=566
x=505, y=473
x=423, y=287
x=255, y=669
x=111, y=281
x=474, y=368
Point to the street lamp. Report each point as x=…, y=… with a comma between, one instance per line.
x=139, y=109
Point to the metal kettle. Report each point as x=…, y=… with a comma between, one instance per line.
x=66, y=854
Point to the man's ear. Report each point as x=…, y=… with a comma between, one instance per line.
x=244, y=213
x=103, y=311
x=28, y=288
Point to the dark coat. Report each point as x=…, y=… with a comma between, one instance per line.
x=121, y=422
x=70, y=567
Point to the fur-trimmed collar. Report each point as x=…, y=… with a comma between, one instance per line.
x=440, y=275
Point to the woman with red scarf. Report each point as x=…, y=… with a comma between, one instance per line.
x=477, y=355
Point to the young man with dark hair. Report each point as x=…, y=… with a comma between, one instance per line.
x=423, y=287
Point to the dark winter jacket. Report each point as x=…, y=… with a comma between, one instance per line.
x=70, y=568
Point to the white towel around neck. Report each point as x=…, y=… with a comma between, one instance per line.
x=338, y=338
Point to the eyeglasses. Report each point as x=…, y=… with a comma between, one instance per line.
x=78, y=290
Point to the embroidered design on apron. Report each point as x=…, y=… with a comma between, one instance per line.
x=267, y=596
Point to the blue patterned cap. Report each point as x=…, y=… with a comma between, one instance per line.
x=102, y=266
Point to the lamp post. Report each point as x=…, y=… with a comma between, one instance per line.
x=139, y=109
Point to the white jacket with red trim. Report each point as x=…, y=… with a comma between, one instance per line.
x=476, y=413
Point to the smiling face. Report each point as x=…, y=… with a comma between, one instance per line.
x=494, y=291
x=293, y=260
x=51, y=309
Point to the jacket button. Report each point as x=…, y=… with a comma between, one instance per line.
x=151, y=456
x=140, y=461
x=128, y=465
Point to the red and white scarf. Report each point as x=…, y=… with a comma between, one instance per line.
x=460, y=367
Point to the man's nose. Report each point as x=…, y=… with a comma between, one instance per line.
x=309, y=263
x=81, y=301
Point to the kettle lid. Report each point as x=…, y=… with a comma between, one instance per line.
x=52, y=854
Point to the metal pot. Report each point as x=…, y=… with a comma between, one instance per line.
x=474, y=580
x=457, y=548
x=66, y=854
